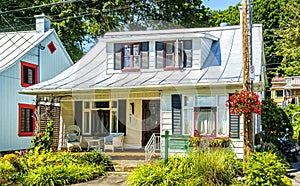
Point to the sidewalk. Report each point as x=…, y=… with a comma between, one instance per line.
x=294, y=172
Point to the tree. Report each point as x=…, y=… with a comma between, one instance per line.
x=274, y=121
x=289, y=44
x=80, y=22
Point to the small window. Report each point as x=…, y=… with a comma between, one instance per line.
x=131, y=56
x=278, y=93
x=26, y=120
x=185, y=53
x=29, y=74
x=165, y=56
x=296, y=81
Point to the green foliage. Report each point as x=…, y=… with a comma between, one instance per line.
x=42, y=167
x=265, y=168
x=218, y=167
x=274, y=121
x=7, y=172
x=43, y=140
x=62, y=174
x=289, y=44
x=290, y=111
x=286, y=181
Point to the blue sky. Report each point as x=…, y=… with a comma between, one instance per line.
x=220, y=4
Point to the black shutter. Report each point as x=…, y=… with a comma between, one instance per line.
x=78, y=113
x=122, y=116
x=176, y=114
x=234, y=124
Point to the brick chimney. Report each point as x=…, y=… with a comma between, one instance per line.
x=42, y=23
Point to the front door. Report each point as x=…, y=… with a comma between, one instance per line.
x=151, y=119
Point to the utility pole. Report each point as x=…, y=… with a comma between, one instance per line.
x=246, y=42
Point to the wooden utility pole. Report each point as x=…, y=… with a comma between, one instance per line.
x=246, y=34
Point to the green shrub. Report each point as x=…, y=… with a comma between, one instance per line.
x=218, y=167
x=265, y=168
x=96, y=157
x=7, y=172
x=62, y=174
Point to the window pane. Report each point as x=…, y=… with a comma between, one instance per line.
x=206, y=101
x=188, y=121
x=127, y=62
x=136, y=61
x=31, y=76
x=159, y=46
x=222, y=121
x=187, y=45
x=86, y=123
x=159, y=59
x=114, y=122
x=118, y=61
x=145, y=60
x=169, y=48
x=278, y=93
x=145, y=46
x=205, y=121
x=188, y=54
x=126, y=50
x=169, y=60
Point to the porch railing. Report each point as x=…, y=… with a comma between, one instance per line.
x=152, y=146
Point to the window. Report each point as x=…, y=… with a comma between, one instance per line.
x=296, y=80
x=279, y=93
x=165, y=56
x=26, y=120
x=205, y=120
x=288, y=81
x=131, y=56
x=96, y=118
x=29, y=74
x=185, y=53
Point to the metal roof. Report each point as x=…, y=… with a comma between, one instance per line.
x=222, y=66
x=14, y=45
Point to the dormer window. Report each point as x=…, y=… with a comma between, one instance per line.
x=131, y=56
x=166, y=54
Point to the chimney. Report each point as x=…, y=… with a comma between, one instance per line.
x=42, y=23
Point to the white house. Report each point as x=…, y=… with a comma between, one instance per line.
x=26, y=58
x=145, y=82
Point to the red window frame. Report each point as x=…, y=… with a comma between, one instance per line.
x=32, y=66
x=32, y=120
x=131, y=57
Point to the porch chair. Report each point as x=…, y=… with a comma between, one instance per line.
x=114, y=140
x=73, y=136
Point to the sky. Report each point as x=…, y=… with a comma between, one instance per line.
x=220, y=4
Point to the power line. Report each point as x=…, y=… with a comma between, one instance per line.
x=39, y=6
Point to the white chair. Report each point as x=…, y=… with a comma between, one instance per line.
x=114, y=140
x=73, y=136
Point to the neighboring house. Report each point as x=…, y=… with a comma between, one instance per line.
x=145, y=82
x=26, y=58
x=285, y=90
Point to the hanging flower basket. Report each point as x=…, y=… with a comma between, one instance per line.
x=245, y=103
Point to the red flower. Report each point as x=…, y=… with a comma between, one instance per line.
x=244, y=103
